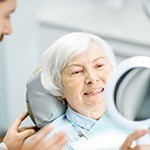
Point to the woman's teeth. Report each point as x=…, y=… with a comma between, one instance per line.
x=94, y=91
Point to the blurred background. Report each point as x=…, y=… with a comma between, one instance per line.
x=124, y=24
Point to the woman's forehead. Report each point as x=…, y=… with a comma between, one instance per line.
x=93, y=52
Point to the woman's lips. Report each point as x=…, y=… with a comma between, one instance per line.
x=94, y=92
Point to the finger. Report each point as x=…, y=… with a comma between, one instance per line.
x=27, y=133
x=42, y=132
x=144, y=147
x=58, y=141
x=61, y=143
x=132, y=137
x=136, y=135
x=19, y=120
x=27, y=128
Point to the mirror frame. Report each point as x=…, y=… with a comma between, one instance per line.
x=119, y=71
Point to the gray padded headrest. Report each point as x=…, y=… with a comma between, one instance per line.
x=42, y=106
x=133, y=95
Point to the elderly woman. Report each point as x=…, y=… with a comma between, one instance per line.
x=76, y=69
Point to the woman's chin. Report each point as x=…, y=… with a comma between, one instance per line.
x=96, y=102
x=98, y=112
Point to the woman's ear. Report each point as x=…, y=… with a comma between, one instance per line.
x=63, y=99
x=62, y=95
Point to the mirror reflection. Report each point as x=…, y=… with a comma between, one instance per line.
x=132, y=94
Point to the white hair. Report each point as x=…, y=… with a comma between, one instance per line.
x=56, y=57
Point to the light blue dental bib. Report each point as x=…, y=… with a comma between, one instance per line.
x=104, y=135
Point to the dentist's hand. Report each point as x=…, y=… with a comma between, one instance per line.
x=132, y=137
x=15, y=136
x=38, y=142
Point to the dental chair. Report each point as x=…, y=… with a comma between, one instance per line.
x=43, y=107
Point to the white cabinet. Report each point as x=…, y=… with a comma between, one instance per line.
x=49, y=34
x=127, y=29
x=122, y=48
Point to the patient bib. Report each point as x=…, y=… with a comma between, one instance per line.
x=104, y=135
x=108, y=140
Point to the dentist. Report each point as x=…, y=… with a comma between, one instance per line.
x=15, y=136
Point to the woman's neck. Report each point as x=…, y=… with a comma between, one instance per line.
x=94, y=114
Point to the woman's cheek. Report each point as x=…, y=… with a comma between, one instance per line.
x=71, y=82
x=74, y=84
x=108, y=73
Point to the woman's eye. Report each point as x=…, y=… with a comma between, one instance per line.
x=76, y=72
x=99, y=65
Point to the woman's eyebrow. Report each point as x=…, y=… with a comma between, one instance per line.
x=98, y=59
x=71, y=65
x=79, y=65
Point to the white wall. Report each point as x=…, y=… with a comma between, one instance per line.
x=2, y=90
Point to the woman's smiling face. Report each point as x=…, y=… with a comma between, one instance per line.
x=84, y=80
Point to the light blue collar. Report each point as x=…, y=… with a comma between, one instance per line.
x=79, y=120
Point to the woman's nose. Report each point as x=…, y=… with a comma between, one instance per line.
x=92, y=78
